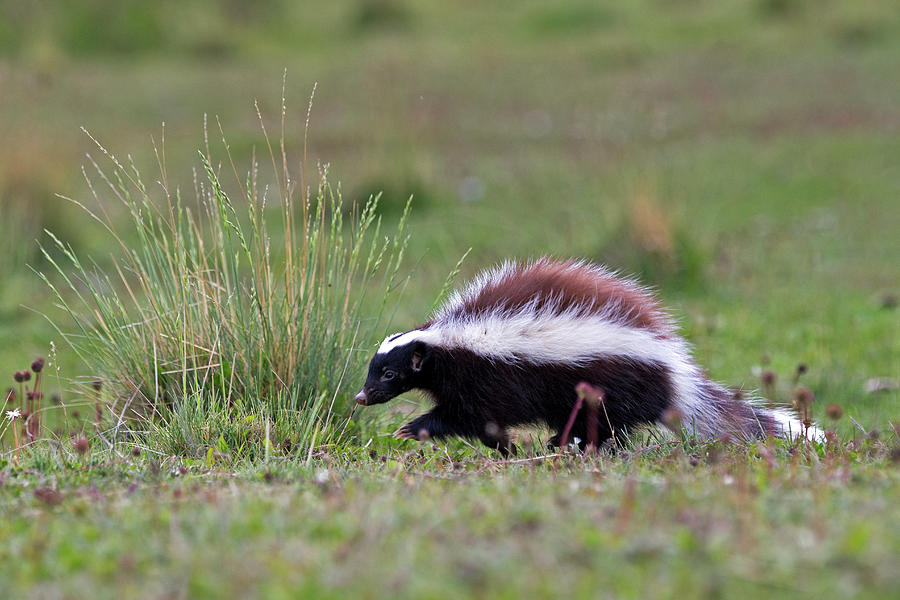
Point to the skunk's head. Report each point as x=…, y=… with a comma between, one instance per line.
x=395, y=369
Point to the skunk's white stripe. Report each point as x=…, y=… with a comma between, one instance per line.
x=539, y=337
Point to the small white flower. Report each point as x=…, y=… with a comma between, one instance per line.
x=13, y=414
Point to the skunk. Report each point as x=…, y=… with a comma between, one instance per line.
x=510, y=348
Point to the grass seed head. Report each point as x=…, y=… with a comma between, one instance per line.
x=834, y=412
x=803, y=399
x=81, y=445
x=768, y=378
x=19, y=376
x=97, y=384
x=38, y=365
x=591, y=394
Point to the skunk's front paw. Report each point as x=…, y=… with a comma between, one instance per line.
x=410, y=432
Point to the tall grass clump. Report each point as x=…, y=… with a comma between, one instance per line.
x=227, y=324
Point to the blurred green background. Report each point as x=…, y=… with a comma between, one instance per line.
x=742, y=156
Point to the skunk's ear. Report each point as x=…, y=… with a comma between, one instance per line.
x=420, y=355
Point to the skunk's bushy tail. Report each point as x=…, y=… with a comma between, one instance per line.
x=730, y=414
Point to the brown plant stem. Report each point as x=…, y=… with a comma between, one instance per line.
x=564, y=439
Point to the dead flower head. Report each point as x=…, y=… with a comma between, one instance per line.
x=803, y=399
x=834, y=412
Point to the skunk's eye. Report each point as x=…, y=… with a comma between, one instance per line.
x=388, y=375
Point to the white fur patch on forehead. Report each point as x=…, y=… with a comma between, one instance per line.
x=401, y=339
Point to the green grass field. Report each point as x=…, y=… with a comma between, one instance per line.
x=741, y=157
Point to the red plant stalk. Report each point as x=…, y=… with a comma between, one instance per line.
x=564, y=440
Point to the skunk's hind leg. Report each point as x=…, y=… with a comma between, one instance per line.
x=497, y=439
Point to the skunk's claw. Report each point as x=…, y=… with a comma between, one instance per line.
x=405, y=433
